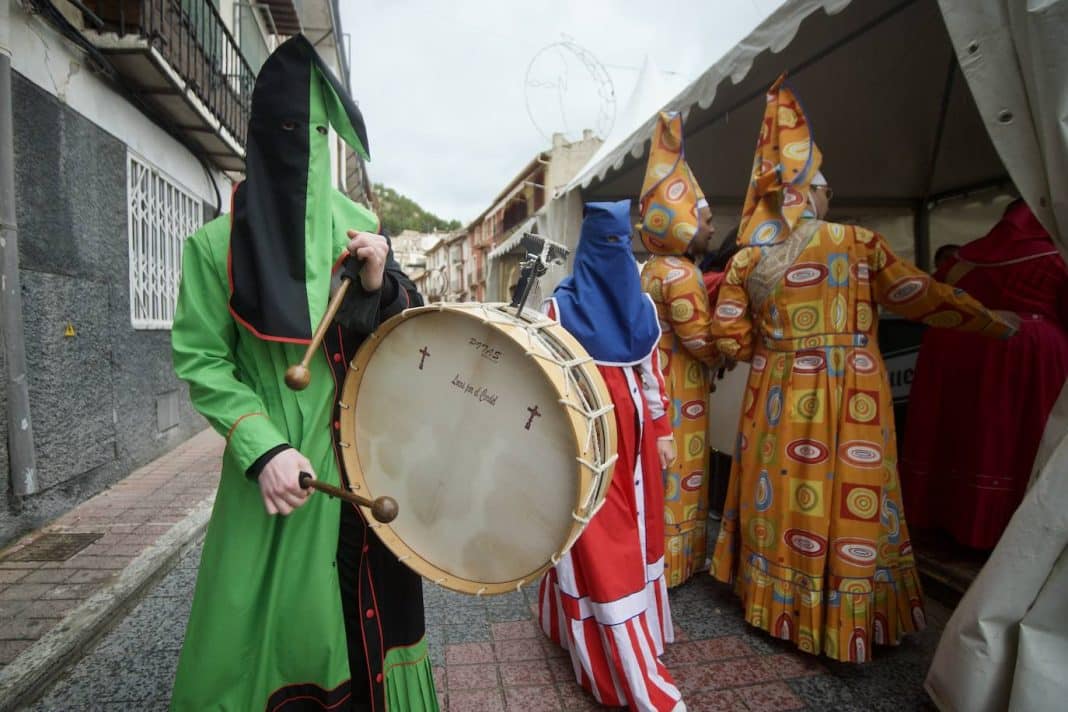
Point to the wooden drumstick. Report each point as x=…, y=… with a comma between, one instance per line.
x=383, y=509
x=298, y=376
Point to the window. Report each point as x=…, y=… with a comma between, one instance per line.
x=161, y=216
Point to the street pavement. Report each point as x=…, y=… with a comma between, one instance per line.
x=488, y=654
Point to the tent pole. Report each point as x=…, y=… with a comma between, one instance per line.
x=921, y=234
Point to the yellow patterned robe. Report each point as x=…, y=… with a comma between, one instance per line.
x=813, y=533
x=686, y=347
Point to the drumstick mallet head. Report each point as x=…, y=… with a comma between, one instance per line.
x=298, y=376
x=383, y=509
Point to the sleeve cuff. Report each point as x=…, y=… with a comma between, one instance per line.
x=394, y=299
x=662, y=427
x=250, y=437
x=253, y=472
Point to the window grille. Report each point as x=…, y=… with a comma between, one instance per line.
x=161, y=215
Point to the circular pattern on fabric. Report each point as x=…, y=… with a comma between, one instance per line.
x=891, y=520
x=805, y=274
x=773, y=406
x=878, y=259
x=860, y=271
x=861, y=453
x=741, y=258
x=692, y=410
x=778, y=367
x=788, y=118
x=805, y=318
x=692, y=482
x=859, y=552
x=809, y=362
x=862, y=362
x=768, y=441
x=750, y=399
x=807, y=451
x=806, y=497
x=864, y=235
x=797, y=151
x=855, y=586
x=657, y=220
x=661, y=170
x=761, y=532
x=862, y=408
x=837, y=232
x=862, y=503
x=806, y=642
x=864, y=316
x=684, y=231
x=838, y=313
x=907, y=289
x=763, y=492
x=682, y=310
x=696, y=445
x=805, y=543
x=944, y=319
x=838, y=361
x=760, y=362
x=729, y=310
x=792, y=197
x=808, y=405
x=766, y=232
x=676, y=190
x=671, y=489
x=655, y=289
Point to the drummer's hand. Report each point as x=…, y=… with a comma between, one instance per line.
x=280, y=482
x=665, y=448
x=373, y=250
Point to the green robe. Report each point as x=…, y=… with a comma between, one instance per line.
x=266, y=626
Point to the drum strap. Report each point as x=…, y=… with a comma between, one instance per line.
x=774, y=261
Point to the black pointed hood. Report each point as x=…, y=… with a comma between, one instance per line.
x=282, y=241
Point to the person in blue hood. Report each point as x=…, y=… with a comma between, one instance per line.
x=606, y=600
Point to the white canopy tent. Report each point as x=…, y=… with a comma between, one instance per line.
x=916, y=105
x=891, y=111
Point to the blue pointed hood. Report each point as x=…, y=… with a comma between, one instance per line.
x=602, y=304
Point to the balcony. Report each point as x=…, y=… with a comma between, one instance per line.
x=179, y=58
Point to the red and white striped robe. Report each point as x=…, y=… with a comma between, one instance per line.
x=606, y=600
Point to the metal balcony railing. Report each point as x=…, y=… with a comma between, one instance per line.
x=192, y=38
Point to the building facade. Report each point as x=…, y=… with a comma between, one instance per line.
x=129, y=124
x=494, y=235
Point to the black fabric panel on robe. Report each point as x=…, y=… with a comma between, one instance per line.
x=267, y=237
x=381, y=598
x=363, y=311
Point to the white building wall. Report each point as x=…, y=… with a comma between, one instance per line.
x=43, y=56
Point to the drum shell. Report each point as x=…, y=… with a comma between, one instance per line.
x=537, y=337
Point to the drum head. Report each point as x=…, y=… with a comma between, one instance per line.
x=450, y=416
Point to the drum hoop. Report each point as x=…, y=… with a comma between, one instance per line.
x=587, y=478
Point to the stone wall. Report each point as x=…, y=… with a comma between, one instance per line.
x=105, y=400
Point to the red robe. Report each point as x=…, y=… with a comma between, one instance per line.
x=606, y=600
x=978, y=406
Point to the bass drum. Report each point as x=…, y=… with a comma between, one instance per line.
x=495, y=434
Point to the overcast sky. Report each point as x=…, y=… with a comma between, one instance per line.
x=443, y=83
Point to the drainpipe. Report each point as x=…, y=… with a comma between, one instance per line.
x=19, y=427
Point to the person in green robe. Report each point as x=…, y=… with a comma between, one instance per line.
x=298, y=605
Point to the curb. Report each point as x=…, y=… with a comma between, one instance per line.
x=31, y=673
